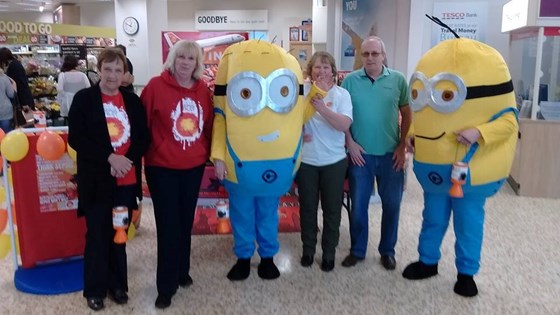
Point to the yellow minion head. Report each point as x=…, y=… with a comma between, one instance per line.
x=259, y=106
x=458, y=84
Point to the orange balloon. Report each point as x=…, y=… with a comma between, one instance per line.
x=3, y=219
x=2, y=134
x=50, y=146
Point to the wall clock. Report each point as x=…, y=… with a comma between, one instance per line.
x=130, y=25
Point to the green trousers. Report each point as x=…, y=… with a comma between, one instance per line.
x=325, y=183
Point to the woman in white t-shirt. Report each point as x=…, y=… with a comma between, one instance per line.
x=70, y=81
x=323, y=164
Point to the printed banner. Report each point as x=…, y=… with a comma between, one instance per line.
x=57, y=184
x=213, y=44
x=206, y=216
x=358, y=22
x=45, y=200
x=467, y=19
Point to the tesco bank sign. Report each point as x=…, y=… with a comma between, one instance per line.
x=231, y=20
x=457, y=15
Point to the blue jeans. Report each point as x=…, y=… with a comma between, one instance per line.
x=377, y=168
x=6, y=125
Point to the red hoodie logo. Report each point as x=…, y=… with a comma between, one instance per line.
x=187, y=121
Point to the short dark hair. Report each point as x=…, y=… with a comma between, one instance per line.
x=123, y=48
x=70, y=63
x=6, y=56
x=109, y=55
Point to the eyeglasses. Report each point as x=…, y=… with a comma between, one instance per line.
x=374, y=54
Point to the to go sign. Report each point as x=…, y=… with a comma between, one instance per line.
x=25, y=27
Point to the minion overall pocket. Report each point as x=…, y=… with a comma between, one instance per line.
x=263, y=178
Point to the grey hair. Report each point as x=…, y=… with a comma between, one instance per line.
x=183, y=48
x=378, y=39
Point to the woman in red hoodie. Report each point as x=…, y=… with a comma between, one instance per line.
x=180, y=114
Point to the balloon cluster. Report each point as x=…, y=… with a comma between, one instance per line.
x=50, y=146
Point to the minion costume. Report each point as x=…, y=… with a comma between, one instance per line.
x=460, y=84
x=259, y=114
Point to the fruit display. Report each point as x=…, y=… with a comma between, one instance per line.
x=51, y=108
x=42, y=86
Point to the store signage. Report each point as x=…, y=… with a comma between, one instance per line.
x=467, y=19
x=25, y=27
x=515, y=15
x=550, y=8
x=231, y=20
x=78, y=51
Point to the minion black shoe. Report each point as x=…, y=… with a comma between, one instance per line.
x=419, y=270
x=240, y=271
x=267, y=269
x=465, y=286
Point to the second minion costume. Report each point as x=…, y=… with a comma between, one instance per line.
x=459, y=85
x=259, y=114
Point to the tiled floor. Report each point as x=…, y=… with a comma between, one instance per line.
x=520, y=272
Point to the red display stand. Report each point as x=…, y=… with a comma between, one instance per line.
x=51, y=236
x=48, y=227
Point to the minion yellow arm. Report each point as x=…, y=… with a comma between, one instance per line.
x=218, y=150
x=498, y=130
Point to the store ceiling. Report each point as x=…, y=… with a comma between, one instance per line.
x=33, y=5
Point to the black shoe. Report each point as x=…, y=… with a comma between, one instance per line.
x=163, y=301
x=351, y=260
x=119, y=296
x=306, y=260
x=388, y=262
x=465, y=286
x=95, y=303
x=240, y=271
x=186, y=281
x=419, y=270
x=267, y=269
x=327, y=265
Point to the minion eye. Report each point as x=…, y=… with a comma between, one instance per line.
x=447, y=95
x=417, y=95
x=283, y=91
x=448, y=92
x=244, y=93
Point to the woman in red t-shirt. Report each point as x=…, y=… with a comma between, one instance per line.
x=107, y=128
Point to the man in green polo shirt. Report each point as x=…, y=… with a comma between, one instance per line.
x=376, y=146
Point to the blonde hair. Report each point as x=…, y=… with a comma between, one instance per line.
x=184, y=48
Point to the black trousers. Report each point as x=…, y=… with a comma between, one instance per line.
x=104, y=261
x=174, y=195
x=327, y=184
